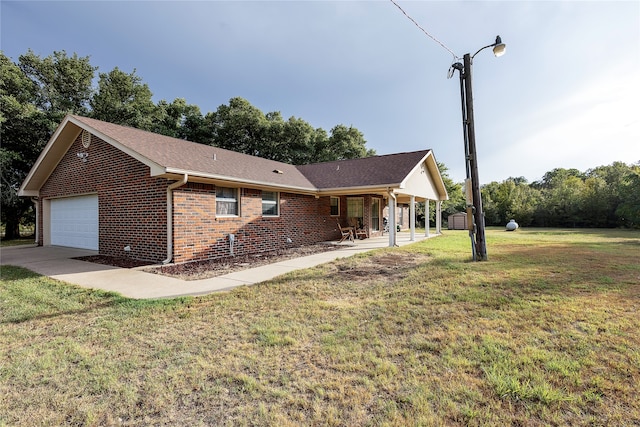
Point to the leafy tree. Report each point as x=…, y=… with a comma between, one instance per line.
x=561, y=198
x=298, y=140
x=242, y=127
x=63, y=83
x=524, y=200
x=628, y=211
x=35, y=95
x=238, y=126
x=596, y=203
x=605, y=184
x=493, y=213
x=457, y=201
x=513, y=198
x=123, y=99
x=179, y=120
x=343, y=143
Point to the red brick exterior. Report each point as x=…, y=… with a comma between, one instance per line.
x=132, y=211
x=131, y=204
x=200, y=234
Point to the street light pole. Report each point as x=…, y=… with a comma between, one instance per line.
x=475, y=214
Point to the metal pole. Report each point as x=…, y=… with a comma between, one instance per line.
x=480, y=243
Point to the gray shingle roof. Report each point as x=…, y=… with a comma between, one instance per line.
x=386, y=170
x=199, y=159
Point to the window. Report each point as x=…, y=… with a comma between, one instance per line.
x=270, y=204
x=355, y=209
x=227, y=201
x=375, y=214
x=335, y=206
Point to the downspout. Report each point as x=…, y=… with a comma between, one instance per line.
x=170, y=189
x=393, y=206
x=34, y=200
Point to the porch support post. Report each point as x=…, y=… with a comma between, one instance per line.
x=412, y=219
x=392, y=218
x=439, y=217
x=426, y=218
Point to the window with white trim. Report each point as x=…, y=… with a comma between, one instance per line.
x=227, y=201
x=335, y=206
x=355, y=209
x=270, y=203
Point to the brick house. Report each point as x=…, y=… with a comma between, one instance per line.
x=127, y=192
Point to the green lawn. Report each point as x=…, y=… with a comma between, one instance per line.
x=547, y=332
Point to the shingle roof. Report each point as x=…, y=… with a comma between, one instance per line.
x=167, y=156
x=178, y=154
x=386, y=170
x=199, y=159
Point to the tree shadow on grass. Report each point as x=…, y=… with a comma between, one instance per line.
x=26, y=296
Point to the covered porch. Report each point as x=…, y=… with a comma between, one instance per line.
x=377, y=242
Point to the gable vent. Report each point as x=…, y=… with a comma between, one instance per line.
x=86, y=139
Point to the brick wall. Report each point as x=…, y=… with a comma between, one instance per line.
x=199, y=234
x=131, y=204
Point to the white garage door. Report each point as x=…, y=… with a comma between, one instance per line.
x=74, y=222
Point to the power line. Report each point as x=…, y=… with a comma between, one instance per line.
x=425, y=31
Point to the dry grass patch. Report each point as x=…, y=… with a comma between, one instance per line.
x=544, y=333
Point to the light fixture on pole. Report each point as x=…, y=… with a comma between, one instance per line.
x=475, y=214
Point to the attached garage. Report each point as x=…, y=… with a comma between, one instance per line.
x=74, y=222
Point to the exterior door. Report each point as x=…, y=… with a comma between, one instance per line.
x=375, y=214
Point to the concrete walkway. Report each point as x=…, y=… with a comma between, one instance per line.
x=57, y=263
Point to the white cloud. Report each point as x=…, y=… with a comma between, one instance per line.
x=596, y=125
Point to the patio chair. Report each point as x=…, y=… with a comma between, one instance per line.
x=345, y=232
x=358, y=231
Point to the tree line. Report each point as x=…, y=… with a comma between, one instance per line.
x=602, y=197
x=37, y=92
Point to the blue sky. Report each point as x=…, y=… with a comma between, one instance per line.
x=565, y=94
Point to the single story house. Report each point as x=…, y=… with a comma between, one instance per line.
x=127, y=192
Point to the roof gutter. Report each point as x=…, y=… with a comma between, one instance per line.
x=235, y=180
x=170, y=189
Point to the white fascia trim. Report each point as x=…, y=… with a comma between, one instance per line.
x=42, y=156
x=233, y=180
x=430, y=158
x=361, y=189
x=30, y=193
x=414, y=169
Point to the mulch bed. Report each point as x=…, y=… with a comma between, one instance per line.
x=214, y=267
x=114, y=261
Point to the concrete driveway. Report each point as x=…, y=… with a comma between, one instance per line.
x=57, y=263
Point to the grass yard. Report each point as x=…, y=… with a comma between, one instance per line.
x=547, y=332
